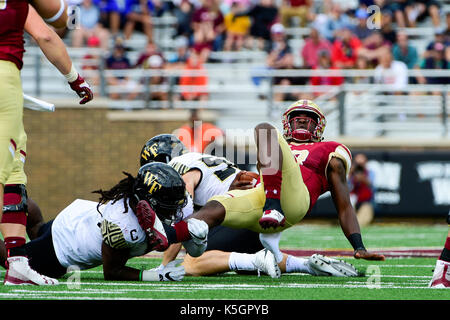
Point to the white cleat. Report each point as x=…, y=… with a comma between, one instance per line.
x=19, y=272
x=264, y=261
x=324, y=266
x=441, y=275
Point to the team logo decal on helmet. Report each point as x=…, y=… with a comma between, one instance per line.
x=162, y=148
x=313, y=119
x=163, y=188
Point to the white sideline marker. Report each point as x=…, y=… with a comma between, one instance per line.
x=36, y=104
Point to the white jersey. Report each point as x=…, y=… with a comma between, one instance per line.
x=79, y=230
x=217, y=174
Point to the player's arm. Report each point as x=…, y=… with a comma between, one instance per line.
x=337, y=179
x=56, y=52
x=114, y=267
x=54, y=12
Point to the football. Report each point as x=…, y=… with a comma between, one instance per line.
x=249, y=176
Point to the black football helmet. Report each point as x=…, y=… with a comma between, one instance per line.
x=163, y=188
x=162, y=148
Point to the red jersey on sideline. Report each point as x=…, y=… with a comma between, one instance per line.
x=13, y=14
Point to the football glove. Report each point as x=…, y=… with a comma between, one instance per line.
x=171, y=272
x=198, y=229
x=82, y=88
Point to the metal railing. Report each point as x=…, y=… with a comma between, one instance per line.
x=378, y=109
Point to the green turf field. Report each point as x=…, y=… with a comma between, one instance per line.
x=399, y=277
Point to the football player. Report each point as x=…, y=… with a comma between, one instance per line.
x=125, y=223
x=17, y=16
x=228, y=249
x=441, y=274
x=295, y=169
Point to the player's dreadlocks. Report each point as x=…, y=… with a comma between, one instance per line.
x=122, y=190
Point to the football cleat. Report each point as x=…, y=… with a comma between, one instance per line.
x=148, y=220
x=324, y=266
x=441, y=275
x=272, y=219
x=19, y=272
x=264, y=261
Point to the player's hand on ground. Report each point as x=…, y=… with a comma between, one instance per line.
x=366, y=255
x=82, y=88
x=173, y=271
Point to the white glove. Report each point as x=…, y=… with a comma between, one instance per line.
x=198, y=229
x=171, y=272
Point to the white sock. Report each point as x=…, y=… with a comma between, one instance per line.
x=271, y=242
x=295, y=264
x=241, y=261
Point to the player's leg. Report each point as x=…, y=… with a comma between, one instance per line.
x=270, y=162
x=441, y=274
x=35, y=221
x=283, y=184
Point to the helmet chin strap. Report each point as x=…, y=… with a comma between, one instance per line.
x=301, y=135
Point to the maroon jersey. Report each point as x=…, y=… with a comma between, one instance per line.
x=313, y=159
x=13, y=14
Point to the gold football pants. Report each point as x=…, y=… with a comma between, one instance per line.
x=244, y=208
x=12, y=134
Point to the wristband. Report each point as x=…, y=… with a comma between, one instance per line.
x=72, y=75
x=150, y=275
x=356, y=241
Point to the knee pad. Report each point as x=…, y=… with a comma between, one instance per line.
x=15, y=204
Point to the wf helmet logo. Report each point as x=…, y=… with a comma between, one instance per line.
x=374, y=19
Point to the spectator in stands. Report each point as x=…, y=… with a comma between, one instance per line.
x=361, y=64
x=391, y=72
x=404, y=52
x=419, y=8
x=91, y=61
x=150, y=50
x=198, y=135
x=208, y=26
x=325, y=80
x=200, y=80
x=89, y=25
x=439, y=37
x=345, y=49
x=156, y=62
x=280, y=57
x=387, y=29
x=179, y=58
x=447, y=28
x=362, y=191
x=436, y=59
x=236, y=29
x=373, y=47
x=299, y=9
x=398, y=7
x=333, y=20
x=263, y=14
x=112, y=14
x=360, y=29
x=138, y=12
x=313, y=45
x=120, y=86
x=183, y=11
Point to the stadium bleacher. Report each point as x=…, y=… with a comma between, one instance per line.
x=241, y=104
